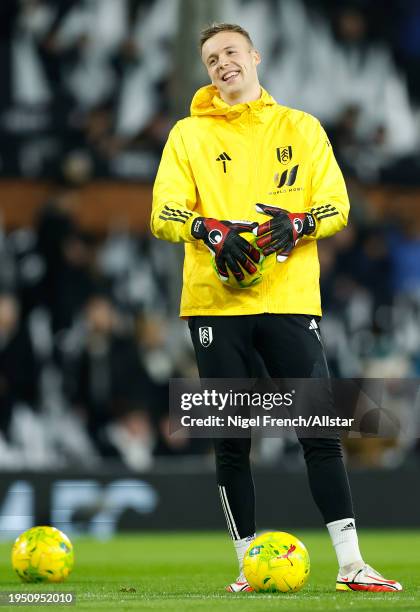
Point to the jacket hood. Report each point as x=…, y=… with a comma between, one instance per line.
x=207, y=102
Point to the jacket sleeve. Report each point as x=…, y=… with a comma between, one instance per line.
x=329, y=200
x=174, y=193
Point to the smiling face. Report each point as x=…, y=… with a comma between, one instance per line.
x=231, y=64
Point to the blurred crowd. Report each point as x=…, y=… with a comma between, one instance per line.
x=97, y=77
x=89, y=333
x=87, y=345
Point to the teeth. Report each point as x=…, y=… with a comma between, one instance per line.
x=229, y=74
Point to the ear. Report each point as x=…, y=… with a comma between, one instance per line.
x=256, y=57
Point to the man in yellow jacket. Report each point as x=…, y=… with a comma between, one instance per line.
x=240, y=155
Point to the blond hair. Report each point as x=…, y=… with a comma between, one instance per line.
x=216, y=28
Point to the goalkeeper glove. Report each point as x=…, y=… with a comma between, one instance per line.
x=281, y=233
x=228, y=247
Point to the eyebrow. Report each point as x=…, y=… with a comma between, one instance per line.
x=224, y=49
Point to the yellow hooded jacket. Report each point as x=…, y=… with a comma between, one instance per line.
x=219, y=163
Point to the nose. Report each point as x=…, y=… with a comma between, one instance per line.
x=223, y=62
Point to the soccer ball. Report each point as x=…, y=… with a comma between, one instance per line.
x=276, y=561
x=42, y=554
x=249, y=280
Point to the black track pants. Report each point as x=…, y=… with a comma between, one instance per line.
x=289, y=346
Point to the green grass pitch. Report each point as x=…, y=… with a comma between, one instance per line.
x=188, y=572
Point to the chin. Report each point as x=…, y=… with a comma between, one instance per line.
x=231, y=91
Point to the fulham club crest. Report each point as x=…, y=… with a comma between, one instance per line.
x=206, y=336
x=284, y=154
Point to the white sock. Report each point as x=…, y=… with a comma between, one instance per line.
x=344, y=538
x=240, y=547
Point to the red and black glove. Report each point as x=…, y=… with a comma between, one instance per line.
x=229, y=248
x=281, y=233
